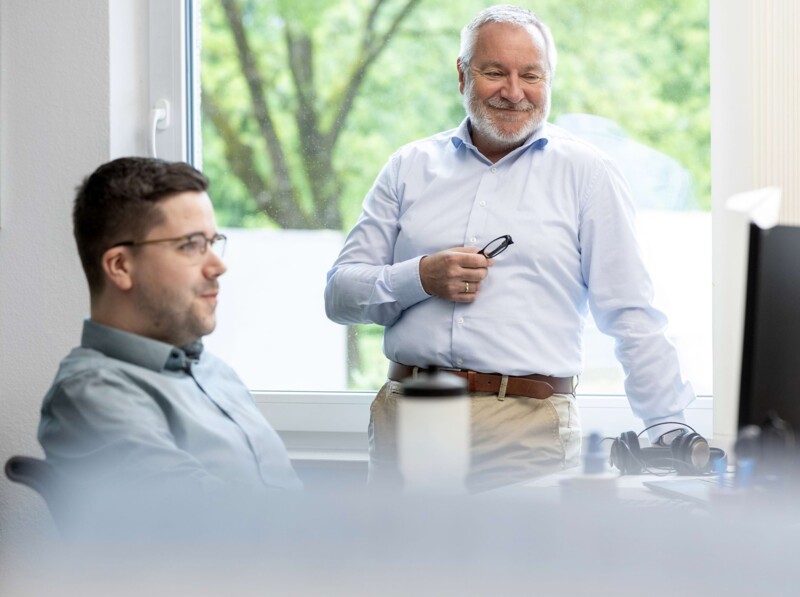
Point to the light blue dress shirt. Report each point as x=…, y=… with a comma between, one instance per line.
x=569, y=211
x=123, y=406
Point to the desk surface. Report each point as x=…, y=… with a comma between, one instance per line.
x=572, y=487
x=508, y=541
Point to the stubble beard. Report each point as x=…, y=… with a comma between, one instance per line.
x=174, y=325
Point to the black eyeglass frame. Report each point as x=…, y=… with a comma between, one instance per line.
x=189, y=238
x=507, y=242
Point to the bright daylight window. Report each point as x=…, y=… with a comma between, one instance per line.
x=302, y=102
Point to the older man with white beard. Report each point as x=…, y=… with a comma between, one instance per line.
x=509, y=321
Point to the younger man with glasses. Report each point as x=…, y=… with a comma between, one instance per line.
x=512, y=325
x=138, y=403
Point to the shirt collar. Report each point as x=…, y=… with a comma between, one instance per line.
x=138, y=350
x=462, y=137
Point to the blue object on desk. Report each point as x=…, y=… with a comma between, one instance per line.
x=744, y=472
x=594, y=461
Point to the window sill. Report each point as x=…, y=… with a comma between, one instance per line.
x=332, y=426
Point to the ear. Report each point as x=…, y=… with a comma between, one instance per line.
x=117, y=266
x=460, y=76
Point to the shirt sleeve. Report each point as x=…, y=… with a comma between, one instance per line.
x=365, y=285
x=99, y=427
x=620, y=298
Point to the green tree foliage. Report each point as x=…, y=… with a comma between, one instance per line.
x=304, y=100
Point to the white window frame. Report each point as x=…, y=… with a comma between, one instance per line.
x=172, y=82
x=333, y=425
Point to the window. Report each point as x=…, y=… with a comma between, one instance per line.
x=301, y=103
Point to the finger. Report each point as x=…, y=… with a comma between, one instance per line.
x=444, y=273
x=474, y=275
x=463, y=291
x=470, y=286
x=476, y=261
x=468, y=257
x=463, y=297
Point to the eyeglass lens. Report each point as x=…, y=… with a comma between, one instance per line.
x=497, y=246
x=218, y=243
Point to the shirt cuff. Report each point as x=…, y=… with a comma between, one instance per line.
x=406, y=283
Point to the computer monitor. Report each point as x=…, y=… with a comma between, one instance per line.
x=770, y=376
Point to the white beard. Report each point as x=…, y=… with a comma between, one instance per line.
x=484, y=122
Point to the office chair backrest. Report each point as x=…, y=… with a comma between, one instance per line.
x=40, y=476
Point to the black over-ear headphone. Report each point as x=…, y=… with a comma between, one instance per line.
x=688, y=454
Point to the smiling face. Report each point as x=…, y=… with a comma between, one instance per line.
x=174, y=290
x=506, y=87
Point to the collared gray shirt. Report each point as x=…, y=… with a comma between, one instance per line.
x=126, y=406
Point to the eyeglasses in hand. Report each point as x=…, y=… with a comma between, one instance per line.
x=496, y=246
x=192, y=245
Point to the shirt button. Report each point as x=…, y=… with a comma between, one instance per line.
x=460, y=321
x=494, y=170
x=459, y=361
x=473, y=239
x=482, y=204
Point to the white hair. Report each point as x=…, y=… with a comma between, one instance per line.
x=505, y=13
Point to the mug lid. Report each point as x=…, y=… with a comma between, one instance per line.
x=433, y=383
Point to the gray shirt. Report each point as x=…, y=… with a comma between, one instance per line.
x=123, y=406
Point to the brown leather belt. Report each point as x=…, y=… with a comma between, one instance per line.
x=530, y=386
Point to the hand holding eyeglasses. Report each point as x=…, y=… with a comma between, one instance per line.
x=456, y=274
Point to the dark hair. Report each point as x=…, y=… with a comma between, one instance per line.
x=119, y=202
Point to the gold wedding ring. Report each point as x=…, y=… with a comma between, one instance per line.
x=466, y=287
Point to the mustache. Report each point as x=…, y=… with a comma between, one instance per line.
x=208, y=289
x=502, y=104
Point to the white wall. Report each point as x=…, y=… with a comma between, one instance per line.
x=58, y=62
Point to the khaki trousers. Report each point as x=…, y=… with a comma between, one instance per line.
x=513, y=439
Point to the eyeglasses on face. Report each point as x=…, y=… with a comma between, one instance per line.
x=496, y=246
x=192, y=245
